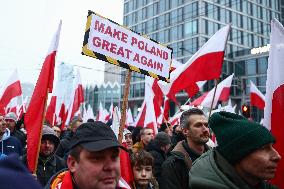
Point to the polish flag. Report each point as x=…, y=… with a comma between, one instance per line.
x=12, y=106
x=89, y=114
x=22, y=108
x=106, y=114
x=139, y=121
x=205, y=64
x=222, y=94
x=50, y=112
x=256, y=97
x=175, y=120
x=129, y=118
x=103, y=115
x=147, y=116
x=11, y=90
x=77, y=98
x=274, y=98
x=36, y=111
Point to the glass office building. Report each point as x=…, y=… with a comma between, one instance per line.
x=185, y=25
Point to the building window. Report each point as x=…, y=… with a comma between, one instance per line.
x=251, y=67
x=262, y=65
x=190, y=28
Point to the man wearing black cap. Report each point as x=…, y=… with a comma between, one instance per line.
x=93, y=161
x=243, y=159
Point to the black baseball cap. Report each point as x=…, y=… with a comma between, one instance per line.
x=95, y=136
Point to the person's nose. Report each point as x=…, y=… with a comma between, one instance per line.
x=276, y=156
x=143, y=173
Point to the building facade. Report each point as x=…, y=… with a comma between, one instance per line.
x=106, y=94
x=185, y=25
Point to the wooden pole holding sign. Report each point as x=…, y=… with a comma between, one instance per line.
x=124, y=106
x=211, y=107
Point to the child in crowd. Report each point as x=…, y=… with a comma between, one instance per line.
x=142, y=166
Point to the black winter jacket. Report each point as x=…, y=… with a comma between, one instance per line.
x=175, y=170
x=47, y=167
x=159, y=158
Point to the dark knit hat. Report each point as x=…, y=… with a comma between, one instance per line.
x=237, y=136
x=162, y=139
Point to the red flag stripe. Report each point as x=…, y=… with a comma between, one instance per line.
x=35, y=113
x=257, y=101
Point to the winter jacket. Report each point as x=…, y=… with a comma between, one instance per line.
x=47, y=167
x=62, y=179
x=175, y=169
x=63, y=148
x=10, y=145
x=138, y=146
x=212, y=171
x=159, y=158
x=20, y=136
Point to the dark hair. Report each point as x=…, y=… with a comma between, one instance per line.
x=164, y=126
x=184, y=118
x=141, y=158
x=75, y=152
x=91, y=120
x=136, y=134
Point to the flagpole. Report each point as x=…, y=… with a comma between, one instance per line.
x=211, y=107
x=40, y=136
x=181, y=106
x=124, y=105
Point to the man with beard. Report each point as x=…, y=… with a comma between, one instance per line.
x=175, y=170
x=48, y=162
x=93, y=161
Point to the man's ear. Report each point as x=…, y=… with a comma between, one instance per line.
x=184, y=131
x=72, y=164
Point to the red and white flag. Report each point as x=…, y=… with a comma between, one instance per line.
x=88, y=114
x=256, y=97
x=139, y=121
x=222, y=94
x=36, y=110
x=50, y=112
x=103, y=115
x=274, y=98
x=11, y=90
x=129, y=118
x=147, y=115
x=205, y=64
x=77, y=97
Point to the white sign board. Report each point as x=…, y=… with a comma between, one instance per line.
x=105, y=40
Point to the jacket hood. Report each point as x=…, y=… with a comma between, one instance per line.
x=6, y=135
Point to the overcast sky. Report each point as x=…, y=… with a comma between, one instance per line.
x=27, y=27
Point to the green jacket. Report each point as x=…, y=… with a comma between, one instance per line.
x=206, y=173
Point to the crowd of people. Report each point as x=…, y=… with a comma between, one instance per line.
x=87, y=155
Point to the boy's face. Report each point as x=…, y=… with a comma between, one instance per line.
x=142, y=174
